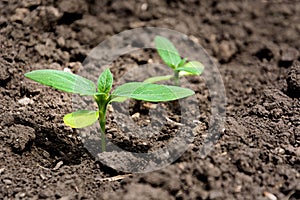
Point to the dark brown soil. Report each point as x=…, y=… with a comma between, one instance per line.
x=256, y=45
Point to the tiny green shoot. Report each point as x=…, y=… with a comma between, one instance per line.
x=169, y=54
x=103, y=95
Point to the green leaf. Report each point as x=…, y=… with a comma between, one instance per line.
x=151, y=92
x=64, y=81
x=118, y=99
x=167, y=51
x=105, y=81
x=182, y=62
x=158, y=78
x=192, y=68
x=81, y=118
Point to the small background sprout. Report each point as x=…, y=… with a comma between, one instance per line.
x=172, y=58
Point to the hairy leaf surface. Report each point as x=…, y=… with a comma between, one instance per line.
x=167, y=51
x=64, y=81
x=151, y=92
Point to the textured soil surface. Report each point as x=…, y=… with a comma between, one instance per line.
x=256, y=47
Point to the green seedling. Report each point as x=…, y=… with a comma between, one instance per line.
x=103, y=95
x=171, y=57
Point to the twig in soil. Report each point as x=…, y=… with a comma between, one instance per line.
x=43, y=177
x=58, y=165
x=173, y=122
x=115, y=178
x=45, y=168
x=76, y=188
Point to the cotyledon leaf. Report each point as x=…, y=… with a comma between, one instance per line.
x=167, y=51
x=151, y=92
x=64, y=81
x=81, y=118
x=191, y=68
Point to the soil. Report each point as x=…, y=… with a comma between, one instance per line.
x=256, y=46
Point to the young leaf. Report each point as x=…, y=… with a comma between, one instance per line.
x=105, y=81
x=167, y=51
x=81, y=118
x=118, y=99
x=158, y=78
x=151, y=92
x=182, y=62
x=64, y=81
x=192, y=67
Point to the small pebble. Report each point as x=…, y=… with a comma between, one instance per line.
x=30, y=3
x=67, y=70
x=61, y=41
x=20, y=14
x=196, y=121
x=280, y=150
x=270, y=196
x=289, y=54
x=194, y=39
x=144, y=6
x=25, y=101
x=110, y=108
x=7, y=181
x=75, y=66
x=23, y=194
x=225, y=50
x=135, y=115
x=150, y=105
x=238, y=189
